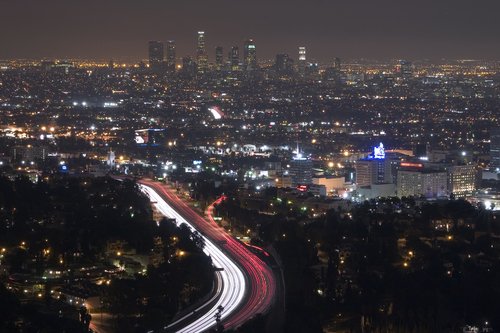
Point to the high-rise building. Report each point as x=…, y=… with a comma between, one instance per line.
x=302, y=61
x=283, y=64
x=188, y=67
x=375, y=169
x=312, y=70
x=405, y=69
x=235, y=58
x=300, y=169
x=332, y=74
x=201, y=53
x=495, y=148
x=171, y=56
x=337, y=63
x=363, y=173
x=155, y=55
x=421, y=151
x=219, y=58
x=250, y=55
x=462, y=180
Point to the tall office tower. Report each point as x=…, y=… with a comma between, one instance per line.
x=375, y=169
x=201, y=53
x=337, y=63
x=219, y=58
x=495, y=148
x=301, y=169
x=283, y=64
x=250, y=55
x=422, y=151
x=235, y=58
x=171, y=56
x=188, y=68
x=302, y=61
x=462, y=180
x=155, y=55
x=332, y=74
x=405, y=69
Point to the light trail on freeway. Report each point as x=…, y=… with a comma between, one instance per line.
x=232, y=280
x=248, y=284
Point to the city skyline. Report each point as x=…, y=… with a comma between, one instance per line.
x=119, y=30
x=217, y=166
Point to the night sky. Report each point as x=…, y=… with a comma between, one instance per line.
x=377, y=29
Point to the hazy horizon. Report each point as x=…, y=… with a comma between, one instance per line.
x=385, y=29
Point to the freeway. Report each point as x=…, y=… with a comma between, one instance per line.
x=246, y=285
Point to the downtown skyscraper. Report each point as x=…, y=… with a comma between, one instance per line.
x=302, y=61
x=249, y=55
x=495, y=148
x=234, y=57
x=171, y=56
x=219, y=58
x=201, y=53
x=155, y=51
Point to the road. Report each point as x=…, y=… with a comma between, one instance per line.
x=248, y=285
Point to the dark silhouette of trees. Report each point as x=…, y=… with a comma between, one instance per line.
x=362, y=281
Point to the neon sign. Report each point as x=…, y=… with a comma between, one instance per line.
x=379, y=152
x=411, y=165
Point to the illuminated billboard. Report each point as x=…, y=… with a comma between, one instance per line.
x=151, y=137
x=379, y=152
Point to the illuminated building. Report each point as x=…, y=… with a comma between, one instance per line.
x=201, y=53
x=377, y=190
x=29, y=153
x=332, y=184
x=155, y=55
x=312, y=70
x=364, y=173
x=171, y=56
x=495, y=148
x=421, y=182
x=234, y=57
x=462, y=180
x=284, y=182
x=302, y=61
x=250, y=55
x=219, y=58
x=300, y=170
x=111, y=159
x=405, y=69
x=375, y=169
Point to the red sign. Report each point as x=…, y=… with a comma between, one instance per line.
x=302, y=188
x=411, y=165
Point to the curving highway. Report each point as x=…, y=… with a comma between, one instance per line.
x=246, y=285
